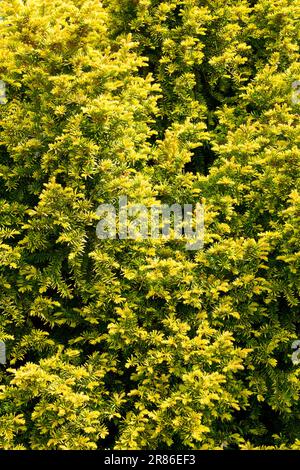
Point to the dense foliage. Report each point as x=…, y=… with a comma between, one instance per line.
x=131, y=344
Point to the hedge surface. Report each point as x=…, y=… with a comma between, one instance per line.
x=127, y=344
